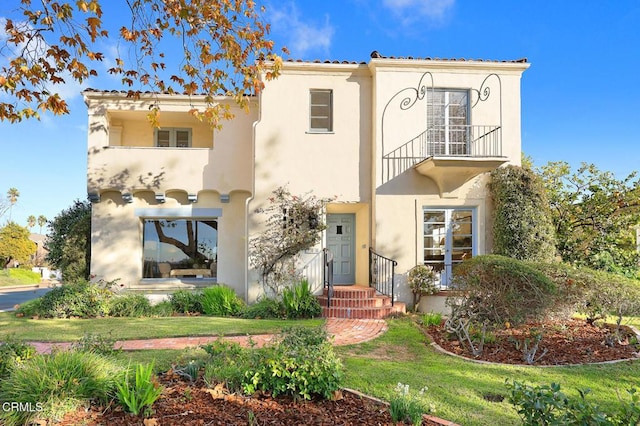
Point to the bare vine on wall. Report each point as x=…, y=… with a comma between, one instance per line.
x=294, y=223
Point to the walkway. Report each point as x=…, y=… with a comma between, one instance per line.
x=345, y=332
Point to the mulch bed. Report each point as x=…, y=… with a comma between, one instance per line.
x=565, y=342
x=187, y=404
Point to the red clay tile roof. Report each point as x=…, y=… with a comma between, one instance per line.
x=318, y=61
x=376, y=55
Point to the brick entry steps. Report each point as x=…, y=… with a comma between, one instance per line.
x=359, y=302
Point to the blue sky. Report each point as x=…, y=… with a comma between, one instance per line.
x=578, y=97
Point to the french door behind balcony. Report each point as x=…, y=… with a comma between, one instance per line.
x=448, y=240
x=448, y=122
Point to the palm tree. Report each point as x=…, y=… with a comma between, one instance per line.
x=31, y=221
x=42, y=220
x=12, y=195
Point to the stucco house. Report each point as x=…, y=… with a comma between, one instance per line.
x=404, y=145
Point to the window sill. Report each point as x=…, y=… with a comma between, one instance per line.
x=447, y=292
x=156, y=147
x=171, y=284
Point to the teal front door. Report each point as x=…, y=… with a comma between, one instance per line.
x=341, y=241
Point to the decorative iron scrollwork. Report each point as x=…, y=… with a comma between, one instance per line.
x=410, y=96
x=485, y=91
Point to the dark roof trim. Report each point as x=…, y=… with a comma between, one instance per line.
x=376, y=55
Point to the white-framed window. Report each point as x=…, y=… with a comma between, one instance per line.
x=320, y=110
x=174, y=137
x=448, y=122
x=448, y=239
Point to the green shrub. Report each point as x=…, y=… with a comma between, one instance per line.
x=30, y=308
x=547, y=405
x=58, y=383
x=572, y=285
x=497, y=289
x=13, y=352
x=522, y=226
x=227, y=364
x=81, y=299
x=301, y=363
x=97, y=343
x=611, y=294
x=596, y=294
x=189, y=371
x=138, y=396
x=186, y=301
x=421, y=281
x=265, y=308
x=220, y=300
x=299, y=302
x=130, y=305
x=431, y=318
x=162, y=309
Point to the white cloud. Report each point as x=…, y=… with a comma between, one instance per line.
x=303, y=36
x=412, y=10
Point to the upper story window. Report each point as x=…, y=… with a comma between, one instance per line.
x=173, y=137
x=448, y=121
x=320, y=110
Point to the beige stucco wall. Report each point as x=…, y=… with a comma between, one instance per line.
x=398, y=203
x=331, y=164
x=395, y=82
x=334, y=165
x=218, y=163
x=399, y=221
x=117, y=238
x=219, y=160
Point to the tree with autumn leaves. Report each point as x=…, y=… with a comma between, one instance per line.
x=223, y=44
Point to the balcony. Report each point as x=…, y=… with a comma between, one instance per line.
x=129, y=169
x=450, y=155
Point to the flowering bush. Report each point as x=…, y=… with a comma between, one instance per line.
x=422, y=281
x=407, y=407
x=293, y=224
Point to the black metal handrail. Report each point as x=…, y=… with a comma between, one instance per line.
x=471, y=141
x=327, y=279
x=382, y=274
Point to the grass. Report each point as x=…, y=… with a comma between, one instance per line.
x=62, y=330
x=59, y=382
x=16, y=276
x=456, y=387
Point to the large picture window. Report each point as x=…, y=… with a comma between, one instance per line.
x=448, y=240
x=177, y=248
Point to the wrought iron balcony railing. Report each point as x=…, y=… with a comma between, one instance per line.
x=444, y=141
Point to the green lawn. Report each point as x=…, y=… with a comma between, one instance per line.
x=62, y=330
x=455, y=386
x=16, y=276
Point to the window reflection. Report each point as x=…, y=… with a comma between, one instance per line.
x=180, y=248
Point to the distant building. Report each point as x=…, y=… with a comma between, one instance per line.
x=38, y=258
